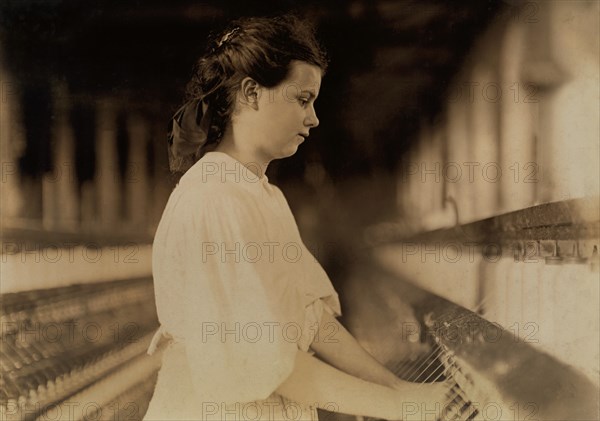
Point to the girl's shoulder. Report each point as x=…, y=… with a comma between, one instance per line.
x=208, y=196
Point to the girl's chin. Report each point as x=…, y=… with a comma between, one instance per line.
x=288, y=151
x=293, y=149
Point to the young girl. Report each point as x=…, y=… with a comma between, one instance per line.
x=245, y=304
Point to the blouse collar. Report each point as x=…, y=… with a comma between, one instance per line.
x=221, y=167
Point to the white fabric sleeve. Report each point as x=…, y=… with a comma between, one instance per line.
x=242, y=308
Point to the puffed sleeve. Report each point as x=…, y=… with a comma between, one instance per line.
x=317, y=292
x=240, y=303
x=319, y=296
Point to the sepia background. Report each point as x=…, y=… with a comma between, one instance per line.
x=457, y=155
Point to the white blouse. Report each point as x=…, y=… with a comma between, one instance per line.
x=238, y=291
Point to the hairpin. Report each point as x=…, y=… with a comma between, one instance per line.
x=228, y=36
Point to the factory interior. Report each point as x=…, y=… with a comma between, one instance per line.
x=451, y=193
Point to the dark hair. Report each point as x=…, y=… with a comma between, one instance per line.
x=257, y=47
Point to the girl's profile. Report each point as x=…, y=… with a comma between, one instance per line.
x=249, y=313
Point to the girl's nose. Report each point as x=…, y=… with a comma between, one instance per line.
x=311, y=119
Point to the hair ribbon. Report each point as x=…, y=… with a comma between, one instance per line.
x=188, y=132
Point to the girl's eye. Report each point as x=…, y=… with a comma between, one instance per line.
x=303, y=101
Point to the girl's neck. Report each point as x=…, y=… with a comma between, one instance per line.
x=249, y=159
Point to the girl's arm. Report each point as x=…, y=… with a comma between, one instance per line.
x=316, y=383
x=342, y=351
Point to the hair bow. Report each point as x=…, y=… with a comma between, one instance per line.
x=188, y=132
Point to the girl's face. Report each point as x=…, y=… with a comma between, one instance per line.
x=286, y=112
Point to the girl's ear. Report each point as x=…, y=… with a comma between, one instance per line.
x=249, y=92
